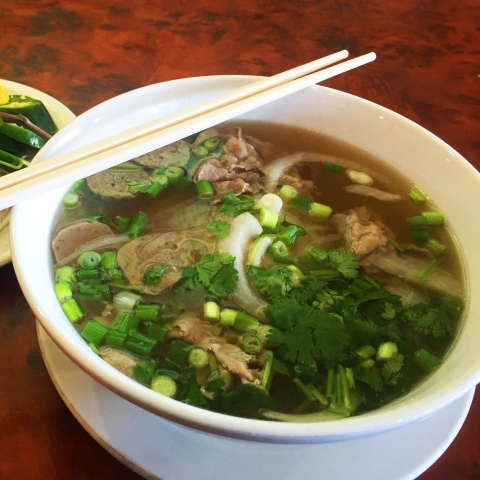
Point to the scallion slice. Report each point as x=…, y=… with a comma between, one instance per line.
x=72, y=310
x=204, y=189
x=94, y=332
x=89, y=260
x=63, y=291
x=164, y=385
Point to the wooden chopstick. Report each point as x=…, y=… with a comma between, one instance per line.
x=170, y=120
x=44, y=180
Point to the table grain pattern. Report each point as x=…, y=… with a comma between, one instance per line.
x=85, y=52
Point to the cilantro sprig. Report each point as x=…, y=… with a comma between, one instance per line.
x=219, y=228
x=233, y=206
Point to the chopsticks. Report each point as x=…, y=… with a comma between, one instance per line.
x=71, y=166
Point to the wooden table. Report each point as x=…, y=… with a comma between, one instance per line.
x=84, y=52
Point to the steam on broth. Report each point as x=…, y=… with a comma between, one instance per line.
x=233, y=273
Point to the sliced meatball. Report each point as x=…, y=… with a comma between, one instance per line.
x=175, y=154
x=73, y=236
x=113, y=182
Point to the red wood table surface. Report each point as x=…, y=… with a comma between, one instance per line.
x=84, y=52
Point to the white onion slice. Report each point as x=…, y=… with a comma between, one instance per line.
x=243, y=230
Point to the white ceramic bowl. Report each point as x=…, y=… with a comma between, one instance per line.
x=448, y=178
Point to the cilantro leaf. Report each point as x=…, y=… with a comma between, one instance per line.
x=224, y=282
x=153, y=274
x=136, y=187
x=209, y=265
x=344, y=261
x=331, y=336
x=219, y=228
x=428, y=320
x=233, y=205
x=391, y=369
x=275, y=283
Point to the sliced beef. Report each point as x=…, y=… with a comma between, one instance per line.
x=73, y=236
x=304, y=187
x=113, y=182
x=197, y=332
x=361, y=234
x=268, y=151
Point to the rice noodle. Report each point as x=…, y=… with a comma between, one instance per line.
x=281, y=165
x=243, y=230
x=321, y=416
x=97, y=244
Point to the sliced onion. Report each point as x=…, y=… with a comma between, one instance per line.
x=281, y=165
x=243, y=230
x=270, y=202
x=97, y=244
x=257, y=250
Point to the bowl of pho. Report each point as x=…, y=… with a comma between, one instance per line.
x=299, y=274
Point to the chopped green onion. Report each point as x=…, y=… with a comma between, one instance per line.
x=155, y=331
x=212, y=143
x=116, y=338
x=198, y=357
x=158, y=176
x=94, y=332
x=267, y=218
x=137, y=224
x=155, y=189
x=65, y=274
x=419, y=235
x=435, y=247
x=368, y=363
x=179, y=352
x=71, y=200
x=427, y=360
x=89, y=260
x=331, y=167
x=211, y=310
x=147, y=311
x=72, y=310
x=282, y=260
x=109, y=260
x=252, y=344
x=76, y=186
x=366, y=351
x=140, y=344
x=200, y=151
x=173, y=173
x=301, y=203
x=287, y=193
x=63, y=291
x=350, y=377
x=204, y=189
x=125, y=322
x=386, y=350
x=181, y=182
x=228, y=316
x=318, y=253
x=433, y=218
x=417, y=196
x=94, y=348
x=164, y=385
x=116, y=275
x=416, y=221
x=94, y=292
x=245, y=323
x=278, y=248
x=318, y=210
x=85, y=275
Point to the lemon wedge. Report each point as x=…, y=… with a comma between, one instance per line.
x=3, y=94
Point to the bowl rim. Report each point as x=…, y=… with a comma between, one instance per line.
x=225, y=425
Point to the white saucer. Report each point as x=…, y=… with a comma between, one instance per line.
x=61, y=115
x=156, y=448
